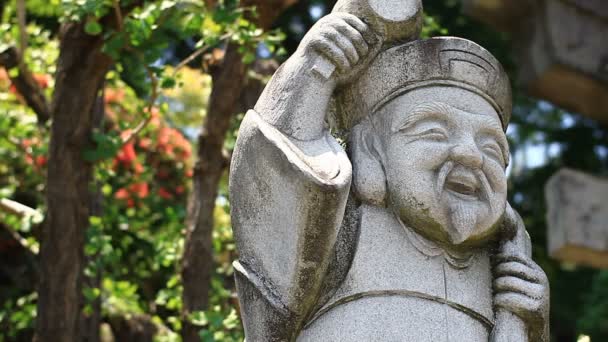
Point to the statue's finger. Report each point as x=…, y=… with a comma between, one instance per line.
x=517, y=303
x=354, y=36
x=347, y=47
x=503, y=257
x=517, y=269
x=354, y=21
x=331, y=51
x=370, y=37
x=517, y=285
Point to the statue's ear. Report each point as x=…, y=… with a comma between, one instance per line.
x=369, y=178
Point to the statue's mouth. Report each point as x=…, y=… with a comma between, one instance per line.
x=464, y=185
x=462, y=182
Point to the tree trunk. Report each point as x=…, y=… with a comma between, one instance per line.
x=197, y=265
x=80, y=74
x=228, y=84
x=90, y=323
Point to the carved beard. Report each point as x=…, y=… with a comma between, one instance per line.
x=463, y=221
x=464, y=217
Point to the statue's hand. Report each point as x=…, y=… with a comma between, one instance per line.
x=520, y=285
x=296, y=101
x=338, y=46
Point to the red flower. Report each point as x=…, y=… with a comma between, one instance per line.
x=41, y=161
x=43, y=80
x=172, y=143
x=162, y=192
x=27, y=142
x=122, y=194
x=3, y=75
x=166, y=149
x=189, y=173
x=164, y=136
x=114, y=95
x=140, y=190
x=145, y=142
x=127, y=154
x=138, y=168
x=29, y=160
x=179, y=189
x=155, y=117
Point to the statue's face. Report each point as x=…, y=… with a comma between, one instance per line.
x=445, y=156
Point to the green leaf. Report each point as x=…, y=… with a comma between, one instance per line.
x=95, y=221
x=168, y=82
x=199, y=318
x=114, y=45
x=248, y=57
x=93, y=28
x=13, y=72
x=91, y=293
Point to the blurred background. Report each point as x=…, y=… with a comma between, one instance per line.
x=117, y=121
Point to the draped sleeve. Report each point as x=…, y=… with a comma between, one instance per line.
x=288, y=199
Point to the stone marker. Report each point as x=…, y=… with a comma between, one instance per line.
x=561, y=48
x=407, y=235
x=577, y=218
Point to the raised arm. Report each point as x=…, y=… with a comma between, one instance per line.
x=297, y=98
x=289, y=183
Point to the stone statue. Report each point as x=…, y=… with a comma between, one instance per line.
x=407, y=235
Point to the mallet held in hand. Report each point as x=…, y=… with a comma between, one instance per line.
x=393, y=20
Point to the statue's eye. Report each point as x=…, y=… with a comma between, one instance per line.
x=425, y=130
x=436, y=133
x=494, y=152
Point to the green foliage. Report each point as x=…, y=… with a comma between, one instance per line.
x=106, y=146
x=78, y=10
x=17, y=315
x=135, y=242
x=432, y=27
x=219, y=325
x=594, y=321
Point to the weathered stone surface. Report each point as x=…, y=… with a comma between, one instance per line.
x=406, y=235
x=561, y=48
x=577, y=218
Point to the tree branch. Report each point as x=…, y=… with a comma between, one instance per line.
x=197, y=53
x=118, y=14
x=21, y=19
x=151, y=101
x=22, y=211
x=25, y=84
x=16, y=208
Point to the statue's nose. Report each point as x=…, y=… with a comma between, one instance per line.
x=467, y=155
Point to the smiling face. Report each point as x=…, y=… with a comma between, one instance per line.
x=444, y=155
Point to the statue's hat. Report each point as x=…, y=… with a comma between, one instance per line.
x=442, y=61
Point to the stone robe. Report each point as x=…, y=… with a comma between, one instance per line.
x=312, y=261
